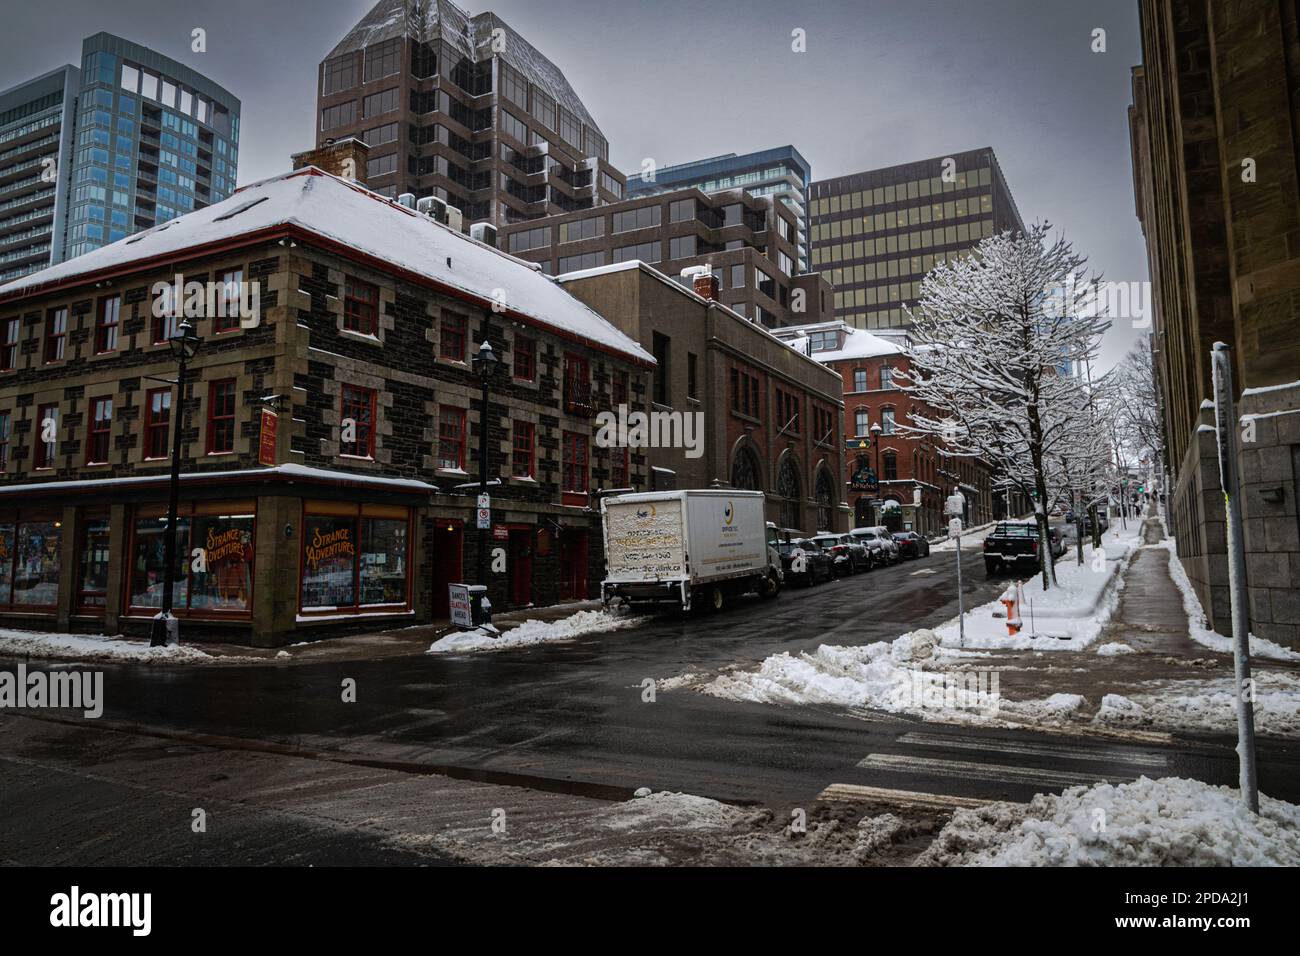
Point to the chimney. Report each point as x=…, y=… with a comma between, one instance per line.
x=703, y=281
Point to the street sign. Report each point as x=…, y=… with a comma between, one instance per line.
x=954, y=504
x=954, y=528
x=484, y=512
x=458, y=599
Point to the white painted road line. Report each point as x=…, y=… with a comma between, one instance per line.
x=923, y=571
x=856, y=793
x=1061, y=751
x=967, y=770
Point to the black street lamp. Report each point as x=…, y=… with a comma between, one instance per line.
x=166, y=630
x=485, y=363
x=875, y=430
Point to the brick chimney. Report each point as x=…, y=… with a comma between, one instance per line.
x=703, y=281
x=344, y=157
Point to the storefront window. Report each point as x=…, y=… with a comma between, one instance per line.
x=355, y=557
x=383, y=561
x=36, y=570
x=221, y=577
x=92, y=581
x=148, y=568
x=214, y=558
x=329, y=565
x=6, y=562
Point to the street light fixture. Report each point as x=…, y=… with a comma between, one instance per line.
x=485, y=364
x=166, y=629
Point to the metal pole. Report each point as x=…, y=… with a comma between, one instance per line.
x=164, y=622
x=1225, y=424
x=961, y=613
x=482, y=477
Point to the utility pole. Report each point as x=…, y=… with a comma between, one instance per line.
x=1225, y=426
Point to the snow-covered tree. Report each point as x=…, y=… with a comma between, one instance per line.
x=996, y=344
x=1138, y=424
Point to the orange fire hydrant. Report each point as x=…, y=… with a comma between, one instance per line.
x=1012, y=604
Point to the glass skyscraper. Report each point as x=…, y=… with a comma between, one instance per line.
x=154, y=140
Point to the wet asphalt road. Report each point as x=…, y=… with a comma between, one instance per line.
x=571, y=716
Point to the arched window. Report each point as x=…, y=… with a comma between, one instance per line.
x=825, y=494
x=745, y=471
x=861, y=422
x=787, y=486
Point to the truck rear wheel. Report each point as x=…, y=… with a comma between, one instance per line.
x=769, y=588
x=716, y=599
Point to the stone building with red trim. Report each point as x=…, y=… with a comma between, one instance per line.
x=330, y=422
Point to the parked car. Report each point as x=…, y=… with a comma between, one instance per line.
x=1015, y=544
x=879, y=546
x=1102, y=522
x=848, y=554
x=803, y=561
x=911, y=544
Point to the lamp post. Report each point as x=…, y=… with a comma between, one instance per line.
x=875, y=430
x=485, y=365
x=166, y=630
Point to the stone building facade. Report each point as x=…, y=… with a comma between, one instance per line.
x=769, y=418
x=1214, y=136
x=329, y=447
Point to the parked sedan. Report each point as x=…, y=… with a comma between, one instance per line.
x=803, y=561
x=849, y=554
x=879, y=544
x=912, y=545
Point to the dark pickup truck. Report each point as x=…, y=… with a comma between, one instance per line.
x=1015, y=544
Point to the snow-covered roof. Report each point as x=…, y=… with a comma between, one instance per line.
x=859, y=344
x=314, y=202
x=283, y=472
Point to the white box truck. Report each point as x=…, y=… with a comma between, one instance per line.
x=688, y=547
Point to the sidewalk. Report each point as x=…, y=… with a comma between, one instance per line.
x=374, y=645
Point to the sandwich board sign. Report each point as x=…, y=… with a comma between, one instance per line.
x=458, y=601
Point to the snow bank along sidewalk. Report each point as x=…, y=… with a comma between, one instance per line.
x=912, y=674
x=1166, y=822
x=533, y=632
x=97, y=647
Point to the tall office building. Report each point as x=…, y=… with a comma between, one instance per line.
x=90, y=156
x=154, y=141
x=876, y=234
x=36, y=127
x=781, y=172
x=463, y=108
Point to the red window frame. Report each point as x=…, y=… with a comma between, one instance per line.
x=221, y=416
x=157, y=423
x=107, y=324
x=577, y=383
x=46, y=452
x=355, y=403
x=99, y=431
x=525, y=365
x=360, y=306
x=451, y=337
x=451, y=435
x=166, y=325
x=56, y=335
x=619, y=388
x=523, y=450
x=575, y=471
x=9, y=349
x=227, y=318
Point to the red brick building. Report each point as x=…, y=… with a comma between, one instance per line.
x=892, y=476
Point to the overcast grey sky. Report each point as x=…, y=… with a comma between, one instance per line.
x=882, y=82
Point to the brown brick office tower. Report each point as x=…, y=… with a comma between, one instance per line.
x=1215, y=131
x=463, y=108
x=326, y=443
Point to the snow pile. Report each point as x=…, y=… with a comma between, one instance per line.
x=533, y=632
x=1259, y=647
x=96, y=647
x=1068, y=617
x=666, y=810
x=1166, y=822
x=1113, y=649
x=1208, y=704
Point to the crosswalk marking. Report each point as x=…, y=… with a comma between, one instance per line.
x=968, y=770
x=923, y=571
x=1062, y=751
